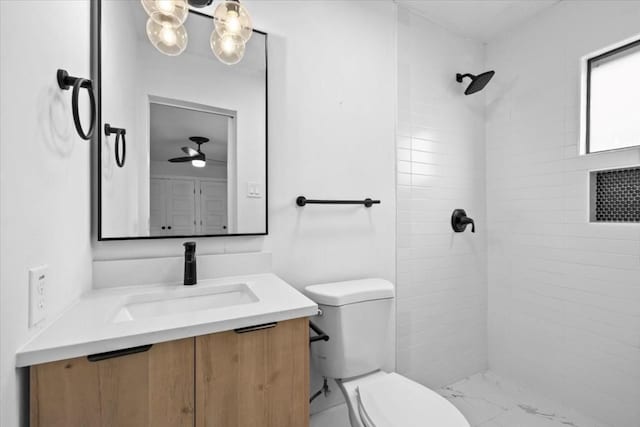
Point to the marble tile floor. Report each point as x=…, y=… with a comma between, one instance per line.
x=487, y=400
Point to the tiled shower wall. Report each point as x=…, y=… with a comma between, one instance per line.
x=564, y=294
x=441, y=278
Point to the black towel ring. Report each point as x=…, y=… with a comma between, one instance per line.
x=120, y=132
x=65, y=81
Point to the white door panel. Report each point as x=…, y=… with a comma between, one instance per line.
x=183, y=206
x=181, y=212
x=213, y=207
x=157, y=208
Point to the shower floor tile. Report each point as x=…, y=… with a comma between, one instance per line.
x=487, y=400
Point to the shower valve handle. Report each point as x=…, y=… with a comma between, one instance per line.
x=460, y=220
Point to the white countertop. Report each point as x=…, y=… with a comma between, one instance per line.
x=89, y=326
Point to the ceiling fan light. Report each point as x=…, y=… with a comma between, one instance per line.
x=198, y=163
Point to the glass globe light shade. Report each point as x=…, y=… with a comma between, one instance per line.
x=230, y=17
x=166, y=37
x=159, y=10
x=198, y=163
x=228, y=48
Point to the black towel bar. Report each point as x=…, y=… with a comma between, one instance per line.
x=302, y=201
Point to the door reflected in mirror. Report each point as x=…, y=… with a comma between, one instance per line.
x=192, y=173
x=195, y=128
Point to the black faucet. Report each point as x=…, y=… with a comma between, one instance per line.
x=460, y=220
x=190, y=274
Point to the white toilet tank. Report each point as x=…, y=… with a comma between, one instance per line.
x=357, y=316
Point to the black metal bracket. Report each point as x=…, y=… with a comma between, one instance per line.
x=65, y=81
x=120, y=133
x=321, y=335
x=325, y=389
x=255, y=328
x=118, y=353
x=302, y=201
x=200, y=3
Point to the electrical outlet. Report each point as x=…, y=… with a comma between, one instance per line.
x=37, y=294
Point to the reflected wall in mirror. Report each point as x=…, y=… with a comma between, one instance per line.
x=195, y=132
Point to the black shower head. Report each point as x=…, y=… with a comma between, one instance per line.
x=477, y=82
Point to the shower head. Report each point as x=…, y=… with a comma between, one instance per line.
x=477, y=82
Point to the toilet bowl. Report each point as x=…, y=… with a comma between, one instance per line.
x=384, y=399
x=357, y=316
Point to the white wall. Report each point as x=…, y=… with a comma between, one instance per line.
x=164, y=168
x=44, y=175
x=442, y=283
x=564, y=294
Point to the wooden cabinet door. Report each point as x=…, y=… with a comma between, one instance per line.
x=151, y=388
x=254, y=379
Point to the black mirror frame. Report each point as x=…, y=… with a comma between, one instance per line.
x=96, y=163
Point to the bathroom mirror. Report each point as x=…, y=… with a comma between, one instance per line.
x=186, y=150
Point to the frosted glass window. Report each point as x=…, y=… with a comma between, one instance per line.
x=613, y=99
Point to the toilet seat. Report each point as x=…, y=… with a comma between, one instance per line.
x=390, y=400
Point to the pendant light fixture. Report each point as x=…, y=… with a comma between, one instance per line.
x=165, y=27
x=233, y=28
x=166, y=32
x=228, y=48
x=167, y=38
x=230, y=17
x=163, y=10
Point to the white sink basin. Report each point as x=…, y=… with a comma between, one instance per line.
x=184, y=300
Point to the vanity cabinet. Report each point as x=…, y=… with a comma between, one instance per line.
x=149, y=388
x=250, y=377
x=257, y=378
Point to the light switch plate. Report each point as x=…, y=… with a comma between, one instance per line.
x=254, y=190
x=37, y=294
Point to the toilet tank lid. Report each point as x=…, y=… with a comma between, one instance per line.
x=350, y=291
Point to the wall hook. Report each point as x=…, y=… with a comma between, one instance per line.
x=460, y=220
x=120, y=132
x=65, y=81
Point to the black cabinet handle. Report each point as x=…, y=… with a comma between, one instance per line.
x=120, y=133
x=65, y=81
x=169, y=227
x=118, y=353
x=163, y=227
x=255, y=328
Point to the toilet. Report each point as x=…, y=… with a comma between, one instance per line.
x=357, y=316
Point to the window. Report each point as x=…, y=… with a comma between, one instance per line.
x=612, y=113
